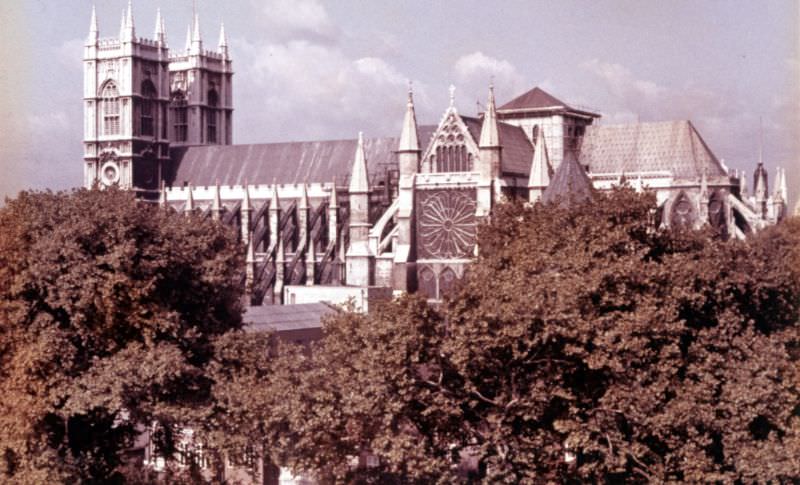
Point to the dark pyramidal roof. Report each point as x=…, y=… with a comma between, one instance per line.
x=536, y=98
x=569, y=183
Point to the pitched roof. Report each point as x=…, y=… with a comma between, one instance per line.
x=569, y=183
x=286, y=163
x=536, y=98
x=673, y=146
x=517, y=150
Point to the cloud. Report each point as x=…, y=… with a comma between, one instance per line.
x=474, y=72
x=297, y=19
x=301, y=89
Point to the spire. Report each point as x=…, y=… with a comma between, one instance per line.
x=122, y=26
x=489, y=130
x=274, y=203
x=333, y=202
x=359, y=181
x=197, y=41
x=452, y=96
x=93, y=31
x=223, y=40
x=409, y=141
x=188, y=38
x=161, y=32
x=128, y=29
x=540, y=170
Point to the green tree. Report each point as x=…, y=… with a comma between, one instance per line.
x=109, y=309
x=584, y=345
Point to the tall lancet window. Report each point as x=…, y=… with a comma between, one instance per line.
x=180, y=117
x=110, y=106
x=147, y=108
x=211, y=116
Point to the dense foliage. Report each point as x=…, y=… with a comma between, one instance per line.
x=583, y=346
x=108, y=313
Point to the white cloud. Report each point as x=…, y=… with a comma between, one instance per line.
x=475, y=71
x=300, y=89
x=293, y=19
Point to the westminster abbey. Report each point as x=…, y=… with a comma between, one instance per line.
x=360, y=218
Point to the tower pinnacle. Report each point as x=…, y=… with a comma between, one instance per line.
x=197, y=41
x=93, y=31
x=128, y=30
x=409, y=140
x=160, y=34
x=359, y=181
x=489, y=130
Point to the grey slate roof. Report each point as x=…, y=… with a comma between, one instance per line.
x=285, y=317
x=569, y=183
x=675, y=146
x=517, y=151
x=536, y=98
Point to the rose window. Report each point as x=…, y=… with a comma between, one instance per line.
x=447, y=225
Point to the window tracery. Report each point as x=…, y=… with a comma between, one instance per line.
x=451, y=153
x=110, y=104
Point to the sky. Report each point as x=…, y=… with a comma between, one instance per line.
x=307, y=69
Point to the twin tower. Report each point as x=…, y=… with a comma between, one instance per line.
x=142, y=98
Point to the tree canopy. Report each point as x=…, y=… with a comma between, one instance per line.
x=584, y=345
x=109, y=310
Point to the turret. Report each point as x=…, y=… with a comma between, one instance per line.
x=489, y=144
x=540, y=170
x=408, y=151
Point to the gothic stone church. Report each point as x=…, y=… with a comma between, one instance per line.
x=360, y=218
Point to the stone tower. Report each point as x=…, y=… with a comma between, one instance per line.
x=140, y=99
